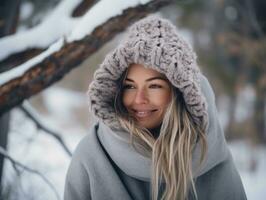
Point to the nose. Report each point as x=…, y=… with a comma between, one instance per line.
x=141, y=97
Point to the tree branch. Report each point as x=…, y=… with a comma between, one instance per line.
x=83, y=7
x=250, y=11
x=55, y=66
x=18, y=58
x=34, y=116
x=17, y=164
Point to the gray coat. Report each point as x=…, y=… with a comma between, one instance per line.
x=106, y=167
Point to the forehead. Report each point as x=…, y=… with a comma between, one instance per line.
x=136, y=71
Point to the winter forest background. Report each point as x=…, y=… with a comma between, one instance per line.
x=50, y=49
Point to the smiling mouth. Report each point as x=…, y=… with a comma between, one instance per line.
x=143, y=113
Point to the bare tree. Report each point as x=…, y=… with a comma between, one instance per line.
x=239, y=40
x=8, y=22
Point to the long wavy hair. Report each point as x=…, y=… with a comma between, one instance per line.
x=171, y=151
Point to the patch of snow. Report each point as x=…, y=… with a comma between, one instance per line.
x=204, y=38
x=94, y=17
x=22, y=28
x=231, y=13
x=20, y=70
x=245, y=103
x=61, y=103
x=187, y=35
x=251, y=163
x=26, y=9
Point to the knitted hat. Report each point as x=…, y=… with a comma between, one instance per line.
x=154, y=43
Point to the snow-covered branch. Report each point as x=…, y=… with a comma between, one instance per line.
x=54, y=26
x=20, y=47
x=95, y=28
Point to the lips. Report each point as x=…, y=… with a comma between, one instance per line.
x=143, y=113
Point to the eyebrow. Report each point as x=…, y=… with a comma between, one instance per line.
x=149, y=79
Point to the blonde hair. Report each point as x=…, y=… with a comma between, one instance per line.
x=171, y=152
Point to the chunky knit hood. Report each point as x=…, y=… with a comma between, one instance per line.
x=153, y=42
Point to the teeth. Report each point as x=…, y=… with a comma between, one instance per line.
x=142, y=113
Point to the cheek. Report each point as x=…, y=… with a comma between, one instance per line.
x=126, y=99
x=162, y=99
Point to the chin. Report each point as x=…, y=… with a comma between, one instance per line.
x=149, y=126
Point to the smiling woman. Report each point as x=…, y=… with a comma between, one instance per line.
x=146, y=95
x=158, y=134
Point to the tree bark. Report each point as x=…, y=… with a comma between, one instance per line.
x=9, y=10
x=260, y=109
x=4, y=127
x=83, y=7
x=18, y=58
x=8, y=16
x=55, y=66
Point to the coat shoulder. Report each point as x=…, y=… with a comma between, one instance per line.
x=88, y=145
x=221, y=183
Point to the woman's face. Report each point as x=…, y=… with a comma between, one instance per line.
x=146, y=95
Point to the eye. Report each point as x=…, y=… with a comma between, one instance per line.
x=155, y=86
x=128, y=86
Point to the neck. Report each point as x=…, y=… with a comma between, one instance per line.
x=155, y=131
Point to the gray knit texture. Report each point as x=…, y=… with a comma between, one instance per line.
x=155, y=43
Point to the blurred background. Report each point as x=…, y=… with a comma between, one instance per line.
x=229, y=39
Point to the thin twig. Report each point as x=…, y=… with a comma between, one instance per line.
x=253, y=18
x=17, y=163
x=36, y=118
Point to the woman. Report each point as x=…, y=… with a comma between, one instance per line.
x=158, y=135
